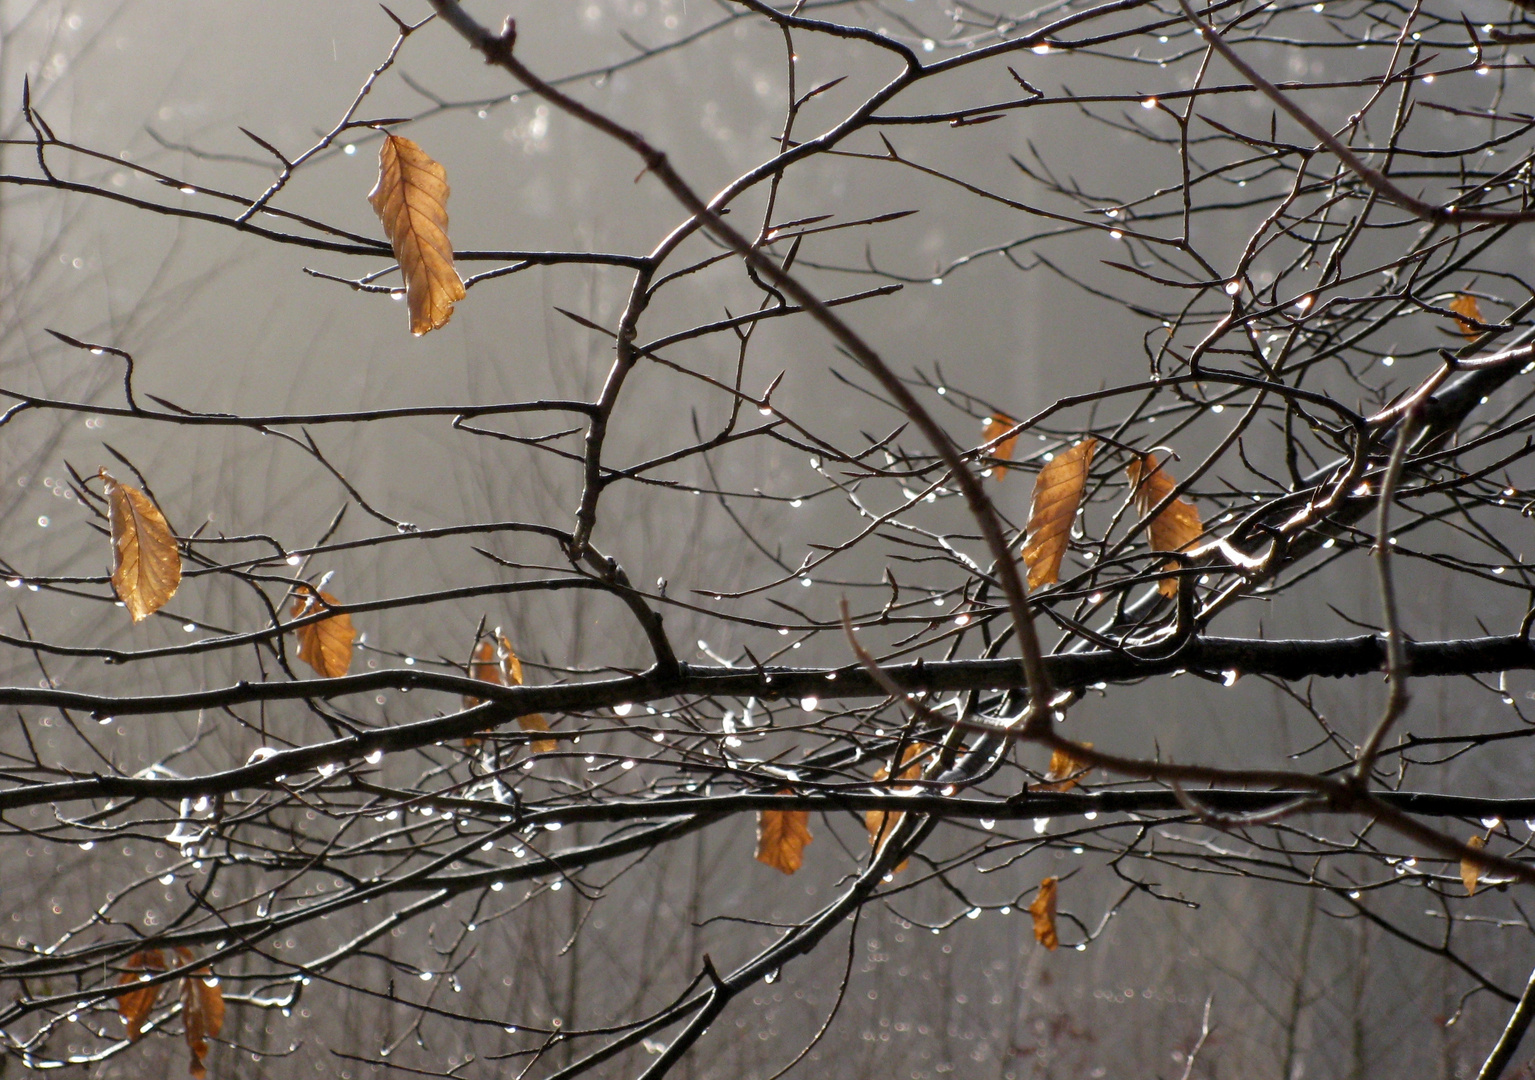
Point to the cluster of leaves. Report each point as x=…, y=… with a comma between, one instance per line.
x=201, y=1002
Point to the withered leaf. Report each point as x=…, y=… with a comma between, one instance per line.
x=411, y=199
x=1465, y=304
x=1065, y=770
x=782, y=836
x=495, y=662
x=325, y=645
x=1057, y=494
x=1470, y=869
x=1043, y=910
x=146, y=563
x=993, y=426
x=1176, y=527
x=134, y=1006
x=881, y=823
x=202, y=1013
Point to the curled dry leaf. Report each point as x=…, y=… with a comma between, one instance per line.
x=1065, y=770
x=1043, y=910
x=1471, y=869
x=1176, y=527
x=993, y=426
x=1057, y=494
x=146, y=563
x=496, y=663
x=1465, y=305
x=325, y=645
x=134, y=1006
x=782, y=836
x=202, y=1013
x=411, y=199
x=881, y=823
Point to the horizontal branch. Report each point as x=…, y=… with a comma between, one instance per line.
x=1288, y=659
x=1028, y=805
x=1285, y=659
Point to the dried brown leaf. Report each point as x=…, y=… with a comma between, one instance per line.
x=134, y=1006
x=202, y=1012
x=146, y=562
x=881, y=823
x=1465, y=304
x=1043, y=910
x=782, y=836
x=411, y=199
x=497, y=663
x=325, y=645
x=993, y=426
x=1057, y=494
x=485, y=665
x=1471, y=869
x=1176, y=527
x=1065, y=771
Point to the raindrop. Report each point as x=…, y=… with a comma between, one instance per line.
x=771, y=977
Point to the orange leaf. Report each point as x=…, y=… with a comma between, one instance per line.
x=881, y=823
x=134, y=1006
x=1043, y=910
x=1465, y=304
x=1065, y=770
x=411, y=199
x=993, y=426
x=202, y=1011
x=496, y=663
x=146, y=563
x=1471, y=869
x=325, y=645
x=1176, y=527
x=1057, y=494
x=782, y=836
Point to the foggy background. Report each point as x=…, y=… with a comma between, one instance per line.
x=1298, y=986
